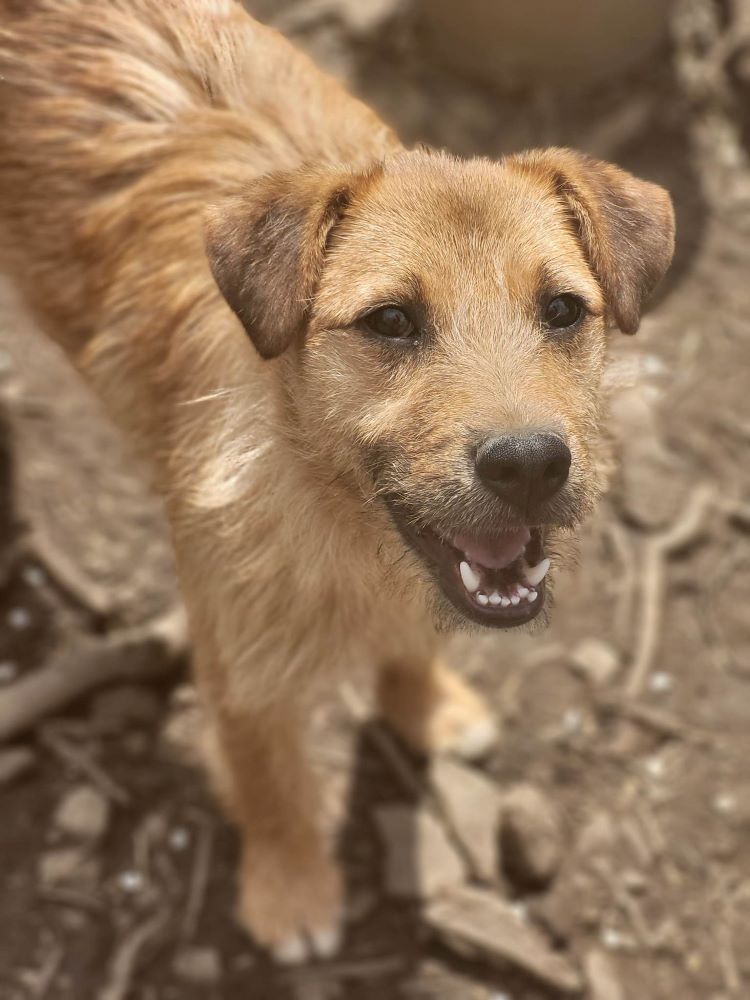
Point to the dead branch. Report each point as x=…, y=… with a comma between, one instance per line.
x=198, y=882
x=146, y=652
x=125, y=960
x=656, y=553
x=83, y=762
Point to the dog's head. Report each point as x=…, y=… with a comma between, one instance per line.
x=445, y=325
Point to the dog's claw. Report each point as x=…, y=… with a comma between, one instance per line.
x=293, y=951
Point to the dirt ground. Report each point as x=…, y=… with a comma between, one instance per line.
x=627, y=721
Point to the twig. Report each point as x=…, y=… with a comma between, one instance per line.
x=655, y=553
x=125, y=960
x=84, y=763
x=627, y=585
x=661, y=722
x=144, y=653
x=198, y=882
x=74, y=899
x=39, y=981
x=86, y=593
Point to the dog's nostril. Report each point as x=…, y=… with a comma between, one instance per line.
x=523, y=469
x=557, y=471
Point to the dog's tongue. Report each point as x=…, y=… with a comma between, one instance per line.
x=496, y=552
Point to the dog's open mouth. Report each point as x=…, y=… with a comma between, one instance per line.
x=496, y=580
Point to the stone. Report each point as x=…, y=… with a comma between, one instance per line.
x=198, y=966
x=601, y=978
x=15, y=763
x=474, y=920
x=471, y=803
x=83, y=813
x=420, y=859
x=531, y=837
x=595, y=660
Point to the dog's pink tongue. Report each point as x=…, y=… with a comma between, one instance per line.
x=496, y=552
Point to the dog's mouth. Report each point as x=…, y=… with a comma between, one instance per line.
x=496, y=580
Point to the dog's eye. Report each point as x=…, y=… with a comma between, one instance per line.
x=391, y=322
x=563, y=312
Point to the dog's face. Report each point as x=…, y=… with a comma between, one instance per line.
x=445, y=326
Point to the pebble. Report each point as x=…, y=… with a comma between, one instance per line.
x=8, y=671
x=14, y=763
x=472, y=805
x=660, y=682
x=199, y=966
x=531, y=837
x=595, y=660
x=83, y=813
x=19, y=618
x=34, y=576
x=601, y=978
x=420, y=860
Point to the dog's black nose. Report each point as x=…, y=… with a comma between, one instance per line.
x=524, y=469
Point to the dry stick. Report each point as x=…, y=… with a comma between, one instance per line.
x=82, y=762
x=627, y=587
x=143, y=653
x=124, y=962
x=655, y=554
x=198, y=882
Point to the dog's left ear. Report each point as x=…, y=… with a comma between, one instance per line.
x=625, y=225
x=266, y=248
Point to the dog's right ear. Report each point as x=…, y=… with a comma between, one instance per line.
x=267, y=246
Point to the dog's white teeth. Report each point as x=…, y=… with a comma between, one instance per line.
x=522, y=591
x=469, y=577
x=495, y=598
x=483, y=599
x=505, y=602
x=535, y=574
x=515, y=599
x=532, y=596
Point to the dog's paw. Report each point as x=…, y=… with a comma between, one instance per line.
x=291, y=906
x=436, y=712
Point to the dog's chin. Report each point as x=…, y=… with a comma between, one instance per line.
x=494, y=580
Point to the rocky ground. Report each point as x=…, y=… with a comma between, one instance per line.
x=604, y=850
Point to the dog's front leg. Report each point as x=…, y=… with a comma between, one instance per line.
x=433, y=710
x=290, y=894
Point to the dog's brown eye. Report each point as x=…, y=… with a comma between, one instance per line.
x=563, y=312
x=391, y=322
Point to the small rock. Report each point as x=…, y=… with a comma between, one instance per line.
x=83, y=813
x=19, y=618
x=68, y=864
x=119, y=708
x=420, y=859
x=200, y=966
x=14, y=763
x=600, y=975
x=472, y=806
x=475, y=920
x=8, y=671
x=596, y=660
x=531, y=837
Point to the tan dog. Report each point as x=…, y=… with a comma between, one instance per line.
x=379, y=436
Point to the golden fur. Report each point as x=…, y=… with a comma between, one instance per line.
x=156, y=156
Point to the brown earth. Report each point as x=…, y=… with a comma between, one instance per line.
x=629, y=716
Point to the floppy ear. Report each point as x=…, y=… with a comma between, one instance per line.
x=266, y=248
x=625, y=226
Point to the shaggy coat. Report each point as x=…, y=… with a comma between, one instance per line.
x=201, y=219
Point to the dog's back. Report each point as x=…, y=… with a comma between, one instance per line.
x=118, y=122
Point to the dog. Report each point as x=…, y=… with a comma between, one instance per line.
x=368, y=379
